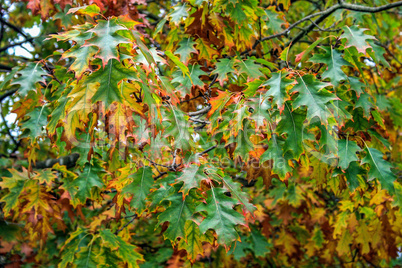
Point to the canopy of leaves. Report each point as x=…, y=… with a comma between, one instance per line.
x=200, y=133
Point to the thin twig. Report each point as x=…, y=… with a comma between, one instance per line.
x=7, y=128
x=15, y=28
x=207, y=150
x=174, y=160
x=16, y=44
x=7, y=94
x=125, y=225
x=200, y=112
x=160, y=175
x=322, y=16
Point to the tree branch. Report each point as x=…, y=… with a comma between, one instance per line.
x=8, y=93
x=207, y=150
x=323, y=15
x=200, y=112
x=5, y=67
x=17, y=144
x=15, y=28
x=68, y=161
x=16, y=44
x=127, y=224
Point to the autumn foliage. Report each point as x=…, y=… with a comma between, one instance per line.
x=201, y=133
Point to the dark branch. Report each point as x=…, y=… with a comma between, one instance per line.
x=16, y=44
x=207, y=150
x=5, y=67
x=17, y=144
x=323, y=15
x=127, y=224
x=68, y=161
x=15, y=28
x=200, y=112
x=7, y=94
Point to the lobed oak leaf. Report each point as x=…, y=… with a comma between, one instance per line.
x=186, y=47
x=355, y=37
x=379, y=169
x=139, y=187
x=221, y=217
x=90, y=10
x=127, y=252
x=313, y=95
x=278, y=84
x=29, y=77
x=108, y=80
x=223, y=68
x=107, y=39
x=332, y=58
x=191, y=177
x=178, y=213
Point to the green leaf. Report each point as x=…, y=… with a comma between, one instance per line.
x=107, y=39
x=91, y=10
x=178, y=129
x=313, y=95
x=180, y=210
x=260, y=244
x=70, y=247
x=140, y=187
x=221, y=217
x=108, y=259
x=186, y=82
x=278, y=84
x=34, y=126
x=192, y=242
x=249, y=68
x=377, y=54
x=379, y=169
x=29, y=76
x=274, y=23
x=260, y=113
x=318, y=237
x=126, y=251
x=356, y=85
x=366, y=103
x=192, y=177
x=222, y=68
x=236, y=191
x=83, y=56
x=59, y=112
x=276, y=153
x=351, y=173
x=186, y=47
x=15, y=184
x=292, y=124
x=332, y=58
x=241, y=249
x=179, y=12
x=347, y=150
x=8, y=77
x=355, y=37
x=89, y=178
x=86, y=258
x=108, y=79
x=244, y=145
x=184, y=69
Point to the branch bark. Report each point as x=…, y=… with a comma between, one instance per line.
x=15, y=28
x=200, y=112
x=16, y=44
x=7, y=94
x=322, y=16
x=68, y=161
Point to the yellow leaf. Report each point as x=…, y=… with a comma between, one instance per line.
x=343, y=247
